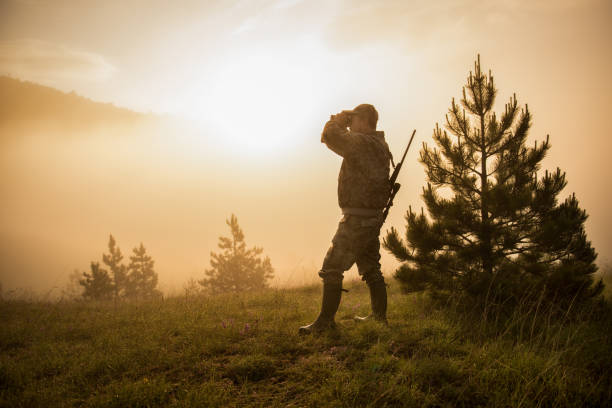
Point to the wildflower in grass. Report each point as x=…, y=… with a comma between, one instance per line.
x=226, y=324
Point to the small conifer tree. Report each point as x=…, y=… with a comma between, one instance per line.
x=495, y=229
x=97, y=284
x=237, y=268
x=141, y=279
x=118, y=270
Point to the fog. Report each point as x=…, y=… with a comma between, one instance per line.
x=162, y=184
x=260, y=79
x=171, y=184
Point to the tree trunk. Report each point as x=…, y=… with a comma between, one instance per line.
x=485, y=235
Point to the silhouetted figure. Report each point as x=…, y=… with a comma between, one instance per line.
x=363, y=191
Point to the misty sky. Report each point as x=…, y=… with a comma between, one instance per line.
x=147, y=55
x=261, y=77
x=298, y=61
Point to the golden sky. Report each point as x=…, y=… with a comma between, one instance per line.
x=259, y=78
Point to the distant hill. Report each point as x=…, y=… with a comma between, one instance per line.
x=27, y=104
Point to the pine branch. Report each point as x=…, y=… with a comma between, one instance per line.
x=394, y=244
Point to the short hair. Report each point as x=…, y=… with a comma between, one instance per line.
x=369, y=112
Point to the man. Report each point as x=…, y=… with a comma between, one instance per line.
x=363, y=190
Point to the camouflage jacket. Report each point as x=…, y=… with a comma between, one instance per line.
x=363, y=181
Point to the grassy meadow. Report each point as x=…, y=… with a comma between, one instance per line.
x=244, y=350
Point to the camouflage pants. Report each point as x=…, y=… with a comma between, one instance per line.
x=355, y=241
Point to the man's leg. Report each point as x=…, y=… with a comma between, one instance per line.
x=378, y=299
x=368, y=263
x=338, y=259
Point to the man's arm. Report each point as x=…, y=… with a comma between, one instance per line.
x=335, y=135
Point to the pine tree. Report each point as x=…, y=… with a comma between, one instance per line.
x=237, y=268
x=73, y=288
x=494, y=230
x=117, y=269
x=97, y=284
x=141, y=279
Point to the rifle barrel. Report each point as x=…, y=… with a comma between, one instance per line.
x=399, y=165
x=409, y=143
x=395, y=186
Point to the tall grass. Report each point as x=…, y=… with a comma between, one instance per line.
x=605, y=273
x=244, y=350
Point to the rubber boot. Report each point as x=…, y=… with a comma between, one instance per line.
x=331, y=300
x=378, y=298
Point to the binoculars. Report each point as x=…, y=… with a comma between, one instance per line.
x=344, y=117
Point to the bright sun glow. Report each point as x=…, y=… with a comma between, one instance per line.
x=259, y=100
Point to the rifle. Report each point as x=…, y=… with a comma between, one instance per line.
x=396, y=186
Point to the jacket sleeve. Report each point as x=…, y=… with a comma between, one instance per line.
x=337, y=138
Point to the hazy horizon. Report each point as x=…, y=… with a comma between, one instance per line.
x=246, y=88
